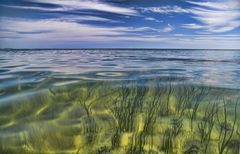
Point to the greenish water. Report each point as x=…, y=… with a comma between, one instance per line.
x=130, y=102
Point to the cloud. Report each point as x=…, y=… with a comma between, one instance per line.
x=38, y=8
x=65, y=17
x=211, y=17
x=215, y=17
x=192, y=26
x=221, y=5
x=76, y=18
x=72, y=26
x=166, y=29
x=59, y=29
x=152, y=19
x=35, y=33
x=70, y=5
x=169, y=28
x=164, y=9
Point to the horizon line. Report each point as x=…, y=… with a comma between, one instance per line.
x=119, y=48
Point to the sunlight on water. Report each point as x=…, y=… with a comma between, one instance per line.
x=119, y=101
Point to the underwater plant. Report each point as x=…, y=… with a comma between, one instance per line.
x=169, y=92
x=89, y=124
x=86, y=95
x=167, y=143
x=177, y=125
x=153, y=106
x=170, y=135
x=226, y=128
x=141, y=92
x=89, y=132
x=183, y=99
x=205, y=126
x=165, y=92
x=126, y=106
x=197, y=95
x=194, y=149
x=238, y=137
x=238, y=131
x=115, y=139
x=103, y=150
x=137, y=144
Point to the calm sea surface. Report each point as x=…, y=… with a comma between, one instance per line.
x=119, y=101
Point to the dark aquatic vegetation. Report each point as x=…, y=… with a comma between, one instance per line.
x=226, y=129
x=119, y=101
x=177, y=126
x=197, y=94
x=205, y=126
x=194, y=149
x=125, y=108
x=167, y=145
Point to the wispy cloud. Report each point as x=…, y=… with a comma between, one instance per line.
x=215, y=17
x=192, y=26
x=61, y=29
x=210, y=17
x=22, y=31
x=65, y=17
x=221, y=5
x=38, y=8
x=169, y=28
x=76, y=18
x=66, y=5
x=164, y=9
x=91, y=21
x=57, y=29
x=152, y=19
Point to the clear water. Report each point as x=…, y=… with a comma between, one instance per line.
x=119, y=101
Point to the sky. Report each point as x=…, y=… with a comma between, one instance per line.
x=120, y=24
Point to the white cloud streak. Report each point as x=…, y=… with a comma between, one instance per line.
x=192, y=26
x=164, y=9
x=69, y=5
x=152, y=19
x=60, y=29
x=215, y=17
x=75, y=18
x=220, y=5
x=22, y=31
x=32, y=8
x=169, y=28
x=211, y=17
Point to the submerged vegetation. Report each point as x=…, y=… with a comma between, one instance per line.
x=131, y=117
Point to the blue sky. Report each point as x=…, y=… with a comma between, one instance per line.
x=119, y=24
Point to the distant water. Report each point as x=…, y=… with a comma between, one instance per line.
x=218, y=68
x=103, y=101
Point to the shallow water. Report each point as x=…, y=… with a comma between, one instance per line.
x=119, y=101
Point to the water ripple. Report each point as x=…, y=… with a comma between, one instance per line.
x=219, y=68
